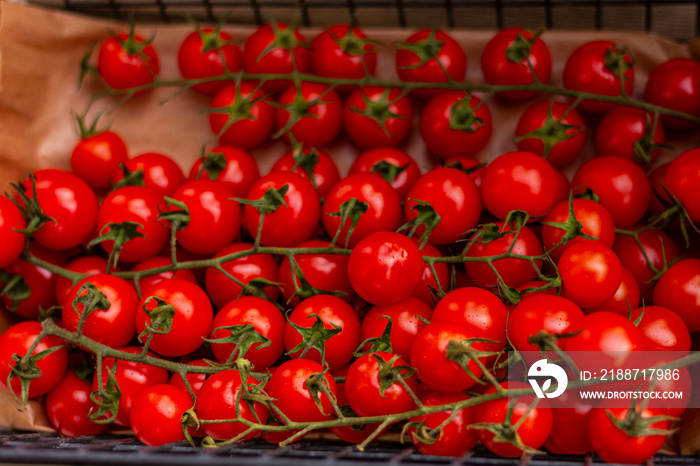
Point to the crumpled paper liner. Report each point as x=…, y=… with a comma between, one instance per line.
x=41, y=51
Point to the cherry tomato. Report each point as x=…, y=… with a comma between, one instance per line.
x=127, y=60
x=314, y=165
x=68, y=406
x=342, y=52
x=351, y=434
x=194, y=379
x=156, y=414
x=657, y=249
x=675, y=84
x=394, y=165
x=376, y=116
x=682, y=180
x=160, y=172
x=322, y=119
x=148, y=281
x=246, y=119
x=11, y=220
x=590, y=273
x=630, y=133
x=678, y=289
x=239, y=171
x=662, y=329
x=438, y=281
x=206, y=53
x=625, y=298
x=96, y=158
x=89, y=265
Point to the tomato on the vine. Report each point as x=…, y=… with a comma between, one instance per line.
x=242, y=116
x=394, y=165
x=158, y=171
x=435, y=276
x=88, y=265
x=343, y=52
x=312, y=113
x=630, y=133
x=662, y=329
x=68, y=406
x=230, y=165
x=682, y=180
x=206, y=53
x=675, y=84
x=195, y=380
x=376, y=116
x=653, y=252
x=678, y=289
x=96, y=158
x=148, y=281
x=127, y=60
x=590, y=273
x=312, y=164
x=157, y=412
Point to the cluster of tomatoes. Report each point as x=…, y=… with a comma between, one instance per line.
x=403, y=285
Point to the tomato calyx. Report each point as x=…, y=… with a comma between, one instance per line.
x=462, y=352
x=387, y=170
x=635, y=425
x=107, y=399
x=351, y=210
x=30, y=208
x=456, y=164
x=15, y=288
x=427, y=216
x=132, y=46
x=573, y=228
x=25, y=368
x=507, y=432
x=272, y=200
x=189, y=421
x=316, y=383
x=284, y=38
x=92, y=300
x=306, y=160
x=426, y=49
x=314, y=337
x=160, y=319
x=120, y=233
x=644, y=147
x=379, y=110
x=553, y=131
x=135, y=178
x=243, y=337
x=239, y=109
x=380, y=343
x=520, y=49
x=619, y=59
x=302, y=288
x=299, y=108
x=388, y=374
x=352, y=44
x=212, y=163
x=546, y=341
x=179, y=218
x=422, y=433
x=88, y=131
x=463, y=116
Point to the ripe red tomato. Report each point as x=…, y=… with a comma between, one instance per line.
x=657, y=248
x=322, y=119
x=351, y=434
x=553, y=128
x=342, y=52
x=364, y=385
x=206, y=53
x=625, y=298
x=675, y=84
x=275, y=48
x=323, y=174
x=127, y=60
x=96, y=158
x=222, y=289
x=139, y=205
x=630, y=133
x=157, y=412
x=69, y=201
x=195, y=380
x=246, y=119
x=519, y=181
x=191, y=321
x=68, y=406
x=455, y=124
x=426, y=56
x=334, y=313
x=454, y=197
x=662, y=329
x=597, y=67
x=11, y=219
x=89, y=265
x=590, y=273
x=239, y=171
x=682, y=180
x=385, y=268
x=266, y=320
x=292, y=223
x=678, y=289
x=394, y=165
x=511, y=57
x=148, y=281
x=160, y=172
x=219, y=399
x=376, y=116
x=621, y=185
x=118, y=318
x=430, y=279
x=383, y=214
x=17, y=340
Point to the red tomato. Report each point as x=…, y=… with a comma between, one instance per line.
x=657, y=249
x=553, y=130
x=69, y=201
x=17, y=340
x=334, y=313
x=156, y=414
x=511, y=57
x=385, y=268
x=265, y=319
x=191, y=321
x=160, y=172
x=292, y=223
x=678, y=289
x=126, y=61
x=430, y=279
x=563, y=186
x=383, y=214
x=68, y=406
x=662, y=329
x=519, y=181
x=89, y=265
x=222, y=289
x=195, y=380
x=377, y=117
x=364, y=386
x=630, y=133
x=351, y=434
x=394, y=165
x=620, y=184
x=148, y=281
x=430, y=56
x=323, y=174
x=659, y=198
x=11, y=219
x=239, y=171
x=96, y=158
x=590, y=273
x=596, y=67
x=682, y=180
x=675, y=84
x=569, y=420
x=454, y=197
x=455, y=124
x=118, y=318
x=342, y=52
x=246, y=119
x=322, y=118
x=206, y=53
x=625, y=298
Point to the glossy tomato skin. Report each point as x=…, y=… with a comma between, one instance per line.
x=267, y=320
x=533, y=431
x=454, y=197
x=290, y=225
x=218, y=399
x=351, y=434
x=334, y=312
x=625, y=298
x=445, y=141
x=18, y=339
x=384, y=213
x=330, y=59
x=122, y=69
x=140, y=205
x=662, y=329
x=519, y=181
x=244, y=131
x=190, y=324
x=621, y=185
x=68, y=406
x=67, y=199
x=587, y=70
x=11, y=219
x=678, y=289
x=499, y=69
x=439, y=280
x=675, y=84
x=160, y=172
x=362, y=387
x=367, y=162
x=156, y=413
x=622, y=127
x=450, y=58
x=239, y=174
x=385, y=268
x=148, y=281
x=96, y=158
x=682, y=180
x=119, y=318
x=325, y=119
x=455, y=438
x=657, y=247
x=367, y=132
x=206, y=53
x=223, y=290
x=288, y=386
x=324, y=175
x=590, y=273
